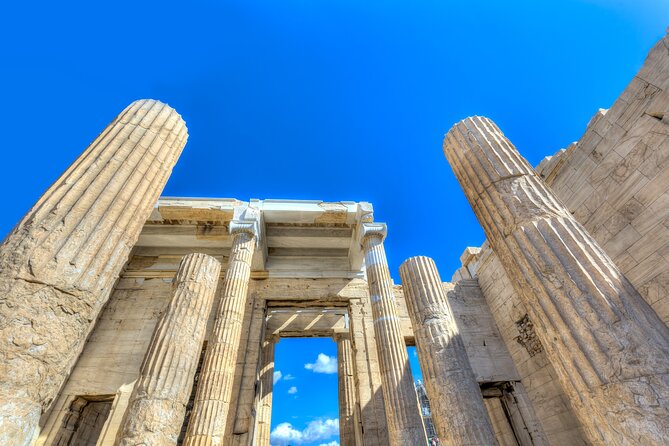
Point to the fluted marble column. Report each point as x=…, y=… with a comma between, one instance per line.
x=264, y=407
x=458, y=411
x=214, y=392
x=405, y=424
x=349, y=432
x=158, y=402
x=609, y=348
x=58, y=265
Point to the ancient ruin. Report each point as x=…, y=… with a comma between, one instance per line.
x=129, y=319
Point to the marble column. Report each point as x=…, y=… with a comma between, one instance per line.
x=368, y=376
x=458, y=411
x=405, y=424
x=212, y=400
x=349, y=420
x=265, y=388
x=609, y=348
x=60, y=262
x=158, y=402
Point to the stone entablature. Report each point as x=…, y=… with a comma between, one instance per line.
x=296, y=238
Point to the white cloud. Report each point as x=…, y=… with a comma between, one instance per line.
x=284, y=434
x=323, y=364
x=277, y=376
x=332, y=443
x=292, y=390
x=321, y=429
x=288, y=377
x=318, y=430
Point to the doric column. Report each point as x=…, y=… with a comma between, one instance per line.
x=458, y=411
x=212, y=399
x=405, y=425
x=58, y=265
x=266, y=384
x=158, y=402
x=609, y=348
x=349, y=420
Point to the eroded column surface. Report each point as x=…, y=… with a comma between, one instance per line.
x=60, y=262
x=458, y=411
x=349, y=432
x=248, y=396
x=405, y=425
x=609, y=348
x=158, y=402
x=368, y=376
x=214, y=391
x=264, y=411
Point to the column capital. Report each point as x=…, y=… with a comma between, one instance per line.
x=247, y=219
x=373, y=229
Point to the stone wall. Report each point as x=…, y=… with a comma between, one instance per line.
x=110, y=362
x=615, y=179
x=113, y=355
x=485, y=347
x=552, y=408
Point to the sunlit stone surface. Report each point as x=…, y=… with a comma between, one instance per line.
x=59, y=264
x=405, y=425
x=158, y=402
x=458, y=411
x=608, y=346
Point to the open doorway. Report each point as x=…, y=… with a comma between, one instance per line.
x=423, y=401
x=305, y=408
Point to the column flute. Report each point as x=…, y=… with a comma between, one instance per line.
x=458, y=411
x=609, y=348
x=349, y=432
x=212, y=399
x=266, y=384
x=405, y=424
x=158, y=402
x=59, y=264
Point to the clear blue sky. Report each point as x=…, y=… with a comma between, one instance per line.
x=332, y=100
x=304, y=399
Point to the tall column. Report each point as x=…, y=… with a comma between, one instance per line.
x=212, y=399
x=158, y=402
x=405, y=425
x=368, y=375
x=249, y=393
x=349, y=419
x=266, y=381
x=609, y=348
x=458, y=411
x=60, y=262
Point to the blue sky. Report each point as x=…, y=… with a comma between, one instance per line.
x=304, y=399
x=336, y=100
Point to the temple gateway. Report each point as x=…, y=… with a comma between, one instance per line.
x=130, y=319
